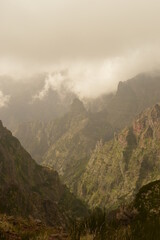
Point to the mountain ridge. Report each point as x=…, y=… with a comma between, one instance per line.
x=119, y=168
x=28, y=189
x=69, y=141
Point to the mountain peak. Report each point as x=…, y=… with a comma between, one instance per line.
x=77, y=106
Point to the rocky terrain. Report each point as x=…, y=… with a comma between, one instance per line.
x=67, y=143
x=119, y=168
x=106, y=157
x=30, y=190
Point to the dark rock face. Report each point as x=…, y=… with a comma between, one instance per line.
x=132, y=97
x=27, y=189
x=147, y=200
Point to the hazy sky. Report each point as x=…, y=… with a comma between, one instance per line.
x=98, y=42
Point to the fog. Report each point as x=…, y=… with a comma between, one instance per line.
x=85, y=46
x=4, y=99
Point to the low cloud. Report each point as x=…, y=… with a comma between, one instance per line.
x=90, y=79
x=4, y=99
x=85, y=46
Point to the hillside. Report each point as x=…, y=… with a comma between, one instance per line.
x=119, y=168
x=132, y=97
x=17, y=228
x=67, y=143
x=134, y=221
x=27, y=189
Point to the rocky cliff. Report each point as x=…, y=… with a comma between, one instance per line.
x=119, y=168
x=67, y=143
x=27, y=189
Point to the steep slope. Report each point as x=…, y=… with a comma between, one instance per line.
x=132, y=97
x=119, y=168
x=27, y=189
x=136, y=221
x=67, y=142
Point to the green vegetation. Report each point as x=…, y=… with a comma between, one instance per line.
x=66, y=143
x=27, y=189
x=102, y=173
x=12, y=228
x=137, y=221
x=119, y=168
x=140, y=220
x=100, y=228
x=71, y=144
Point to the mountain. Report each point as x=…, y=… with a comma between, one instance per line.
x=137, y=220
x=132, y=97
x=25, y=103
x=119, y=168
x=28, y=189
x=66, y=143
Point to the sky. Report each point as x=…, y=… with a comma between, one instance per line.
x=86, y=45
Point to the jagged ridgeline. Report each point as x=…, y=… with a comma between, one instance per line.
x=119, y=168
x=68, y=143
x=27, y=189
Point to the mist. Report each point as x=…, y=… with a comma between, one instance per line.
x=85, y=47
x=4, y=99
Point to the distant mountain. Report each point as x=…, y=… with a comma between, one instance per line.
x=24, y=107
x=27, y=189
x=67, y=143
x=119, y=168
x=132, y=97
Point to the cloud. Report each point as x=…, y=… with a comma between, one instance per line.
x=4, y=99
x=51, y=82
x=84, y=46
x=90, y=79
x=47, y=30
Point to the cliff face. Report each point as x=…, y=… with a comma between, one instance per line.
x=68, y=143
x=27, y=189
x=132, y=97
x=119, y=168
